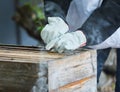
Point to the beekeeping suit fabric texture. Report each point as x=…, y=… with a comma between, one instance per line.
x=79, y=11
x=91, y=16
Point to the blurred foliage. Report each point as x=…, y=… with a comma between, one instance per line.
x=31, y=17
x=37, y=15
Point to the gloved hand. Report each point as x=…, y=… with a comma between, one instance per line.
x=68, y=41
x=55, y=28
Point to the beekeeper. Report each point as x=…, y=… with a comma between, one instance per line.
x=82, y=23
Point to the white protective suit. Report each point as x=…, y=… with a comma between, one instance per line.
x=79, y=11
x=98, y=19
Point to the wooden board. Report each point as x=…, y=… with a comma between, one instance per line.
x=25, y=69
x=74, y=73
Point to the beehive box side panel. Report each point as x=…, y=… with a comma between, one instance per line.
x=70, y=69
x=16, y=77
x=62, y=69
x=87, y=84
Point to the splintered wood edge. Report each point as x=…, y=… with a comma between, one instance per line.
x=32, y=54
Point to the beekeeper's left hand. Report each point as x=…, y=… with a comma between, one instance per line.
x=55, y=28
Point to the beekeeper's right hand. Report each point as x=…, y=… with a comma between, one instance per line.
x=55, y=28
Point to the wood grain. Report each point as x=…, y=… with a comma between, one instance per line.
x=28, y=68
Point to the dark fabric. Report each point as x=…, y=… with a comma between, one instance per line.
x=117, y=88
x=102, y=56
x=102, y=23
x=56, y=8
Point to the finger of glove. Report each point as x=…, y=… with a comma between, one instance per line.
x=52, y=35
x=61, y=49
x=69, y=46
x=51, y=44
x=63, y=40
x=59, y=43
x=45, y=31
x=66, y=44
x=44, y=36
x=65, y=47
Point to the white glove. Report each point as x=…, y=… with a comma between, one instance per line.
x=68, y=41
x=55, y=28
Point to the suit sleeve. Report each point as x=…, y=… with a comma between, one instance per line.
x=56, y=8
x=102, y=23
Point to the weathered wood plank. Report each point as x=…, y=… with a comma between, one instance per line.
x=26, y=54
x=16, y=77
x=25, y=69
x=83, y=85
x=73, y=68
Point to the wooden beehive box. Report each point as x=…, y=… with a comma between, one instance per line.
x=32, y=69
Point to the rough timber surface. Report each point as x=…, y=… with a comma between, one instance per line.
x=33, y=69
